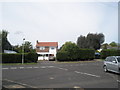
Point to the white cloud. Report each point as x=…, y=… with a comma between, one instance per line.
x=58, y=21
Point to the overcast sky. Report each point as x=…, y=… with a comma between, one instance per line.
x=59, y=21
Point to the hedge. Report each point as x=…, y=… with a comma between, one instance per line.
x=86, y=54
x=17, y=58
x=81, y=54
x=109, y=52
x=62, y=56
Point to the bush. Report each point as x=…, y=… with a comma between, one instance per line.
x=81, y=54
x=31, y=57
x=109, y=52
x=17, y=58
x=86, y=54
x=62, y=56
x=13, y=58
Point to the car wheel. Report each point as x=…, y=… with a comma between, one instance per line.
x=105, y=68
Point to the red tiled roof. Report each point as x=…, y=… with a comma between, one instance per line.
x=47, y=44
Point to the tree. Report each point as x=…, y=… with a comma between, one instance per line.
x=113, y=44
x=5, y=43
x=72, y=50
x=81, y=42
x=27, y=47
x=92, y=41
x=105, y=45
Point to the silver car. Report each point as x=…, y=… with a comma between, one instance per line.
x=112, y=63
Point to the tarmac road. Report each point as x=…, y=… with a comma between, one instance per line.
x=50, y=74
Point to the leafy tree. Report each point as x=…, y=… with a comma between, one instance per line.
x=5, y=43
x=92, y=41
x=81, y=42
x=27, y=47
x=71, y=48
x=105, y=45
x=113, y=44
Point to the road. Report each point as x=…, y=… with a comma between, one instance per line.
x=49, y=74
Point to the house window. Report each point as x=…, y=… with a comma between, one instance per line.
x=46, y=47
x=52, y=48
x=42, y=48
x=37, y=46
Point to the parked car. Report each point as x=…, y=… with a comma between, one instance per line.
x=97, y=55
x=112, y=63
x=51, y=58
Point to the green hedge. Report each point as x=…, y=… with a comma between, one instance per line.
x=109, y=52
x=17, y=58
x=86, y=54
x=81, y=54
x=62, y=56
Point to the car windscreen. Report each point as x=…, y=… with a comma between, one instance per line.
x=118, y=59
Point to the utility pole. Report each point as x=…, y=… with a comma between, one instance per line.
x=23, y=51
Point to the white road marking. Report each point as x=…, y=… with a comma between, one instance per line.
x=87, y=74
x=66, y=69
x=76, y=87
x=29, y=67
x=4, y=68
x=118, y=81
x=21, y=67
x=92, y=75
x=14, y=86
x=60, y=68
x=51, y=78
x=20, y=83
x=35, y=67
x=42, y=67
x=13, y=68
x=77, y=72
x=63, y=69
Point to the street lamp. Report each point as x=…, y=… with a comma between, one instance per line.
x=23, y=51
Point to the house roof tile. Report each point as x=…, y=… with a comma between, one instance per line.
x=47, y=44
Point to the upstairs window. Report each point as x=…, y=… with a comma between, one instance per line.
x=37, y=47
x=52, y=48
x=42, y=48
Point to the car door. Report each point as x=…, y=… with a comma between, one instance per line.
x=109, y=63
x=114, y=64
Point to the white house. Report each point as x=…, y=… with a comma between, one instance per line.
x=46, y=50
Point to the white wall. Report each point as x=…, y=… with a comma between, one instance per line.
x=51, y=51
x=41, y=58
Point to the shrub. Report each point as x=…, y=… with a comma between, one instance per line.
x=31, y=57
x=81, y=54
x=62, y=56
x=109, y=52
x=86, y=54
x=11, y=58
x=17, y=58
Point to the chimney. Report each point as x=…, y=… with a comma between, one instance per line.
x=37, y=41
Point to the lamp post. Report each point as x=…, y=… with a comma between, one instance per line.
x=23, y=51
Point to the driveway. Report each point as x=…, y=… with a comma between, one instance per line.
x=50, y=74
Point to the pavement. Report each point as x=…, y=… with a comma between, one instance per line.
x=50, y=74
